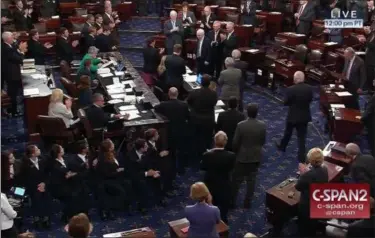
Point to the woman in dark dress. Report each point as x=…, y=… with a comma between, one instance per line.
x=85, y=93
x=9, y=170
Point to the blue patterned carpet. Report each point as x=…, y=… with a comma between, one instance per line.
x=275, y=166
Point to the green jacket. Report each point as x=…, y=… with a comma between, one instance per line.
x=93, y=68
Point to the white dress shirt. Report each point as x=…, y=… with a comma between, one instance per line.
x=140, y=158
x=349, y=68
x=7, y=213
x=62, y=162
x=229, y=35
x=35, y=163
x=82, y=157
x=199, y=51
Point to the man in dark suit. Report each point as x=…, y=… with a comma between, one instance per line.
x=175, y=68
x=174, y=31
x=64, y=49
x=103, y=41
x=354, y=75
x=98, y=21
x=88, y=40
x=218, y=164
x=177, y=113
x=90, y=21
x=227, y=121
x=21, y=17
x=243, y=66
x=305, y=16
x=208, y=19
x=35, y=49
x=362, y=168
x=203, y=53
x=202, y=104
x=298, y=97
x=97, y=117
x=216, y=49
x=368, y=119
x=110, y=18
x=363, y=227
x=248, y=10
x=370, y=56
x=249, y=139
x=11, y=61
x=229, y=40
x=34, y=176
x=151, y=57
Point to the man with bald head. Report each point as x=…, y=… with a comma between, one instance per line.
x=363, y=166
x=229, y=41
x=218, y=164
x=177, y=113
x=298, y=98
x=203, y=52
x=174, y=31
x=216, y=49
x=208, y=19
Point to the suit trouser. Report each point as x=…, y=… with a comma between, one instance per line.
x=40, y=203
x=353, y=90
x=247, y=172
x=301, y=135
x=371, y=138
x=9, y=233
x=370, y=72
x=14, y=87
x=201, y=67
x=203, y=134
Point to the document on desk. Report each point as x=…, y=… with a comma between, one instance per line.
x=39, y=76
x=31, y=91
x=334, y=106
x=129, y=90
x=103, y=71
x=106, y=75
x=106, y=64
x=115, y=101
x=252, y=50
x=343, y=94
x=115, y=90
x=119, y=73
x=118, y=96
x=114, y=86
x=129, y=82
x=127, y=108
x=133, y=114
x=28, y=71
x=130, y=98
x=190, y=78
x=333, y=86
x=330, y=43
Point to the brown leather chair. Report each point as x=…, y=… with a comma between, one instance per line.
x=70, y=87
x=66, y=71
x=53, y=130
x=315, y=58
x=41, y=27
x=233, y=17
x=301, y=53
x=93, y=136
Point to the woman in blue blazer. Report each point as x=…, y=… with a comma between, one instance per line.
x=203, y=216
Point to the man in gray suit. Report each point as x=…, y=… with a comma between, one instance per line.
x=174, y=31
x=248, y=141
x=354, y=75
x=230, y=80
x=304, y=17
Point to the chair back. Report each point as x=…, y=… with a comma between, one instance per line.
x=301, y=53
x=41, y=27
x=233, y=17
x=86, y=123
x=51, y=126
x=315, y=57
x=70, y=87
x=221, y=3
x=80, y=11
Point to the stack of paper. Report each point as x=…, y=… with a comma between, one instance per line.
x=106, y=75
x=115, y=101
x=190, y=78
x=133, y=114
x=115, y=91
x=39, y=76
x=31, y=91
x=333, y=86
x=28, y=71
x=334, y=106
x=252, y=50
x=103, y=71
x=343, y=94
x=130, y=98
x=118, y=96
x=113, y=86
x=127, y=108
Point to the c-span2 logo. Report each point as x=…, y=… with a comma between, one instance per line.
x=343, y=19
x=340, y=200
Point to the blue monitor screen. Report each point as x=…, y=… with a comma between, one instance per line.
x=19, y=191
x=199, y=79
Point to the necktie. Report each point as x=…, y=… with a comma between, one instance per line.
x=173, y=24
x=216, y=33
x=349, y=69
x=248, y=6
x=199, y=49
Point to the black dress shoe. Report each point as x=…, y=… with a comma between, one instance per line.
x=278, y=146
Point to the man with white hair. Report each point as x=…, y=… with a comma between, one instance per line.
x=298, y=97
x=229, y=40
x=203, y=52
x=354, y=75
x=243, y=66
x=11, y=60
x=174, y=31
x=216, y=49
x=208, y=19
x=229, y=81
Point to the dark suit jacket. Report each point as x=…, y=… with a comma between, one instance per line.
x=202, y=104
x=368, y=116
x=64, y=49
x=298, y=97
x=107, y=20
x=97, y=26
x=362, y=171
x=357, y=77
x=216, y=48
x=210, y=21
x=188, y=14
x=151, y=60
x=227, y=121
x=370, y=49
x=11, y=60
x=307, y=17
x=243, y=66
x=175, y=37
x=229, y=45
x=103, y=43
x=97, y=117
x=362, y=228
x=137, y=167
x=60, y=185
x=218, y=164
x=205, y=51
x=77, y=165
x=21, y=23
x=249, y=139
x=108, y=170
x=30, y=176
x=36, y=50
x=175, y=68
x=314, y=175
x=85, y=29
x=87, y=41
x=85, y=97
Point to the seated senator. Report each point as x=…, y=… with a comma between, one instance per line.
x=103, y=41
x=59, y=108
x=85, y=92
x=91, y=55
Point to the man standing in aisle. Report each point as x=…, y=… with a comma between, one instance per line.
x=298, y=97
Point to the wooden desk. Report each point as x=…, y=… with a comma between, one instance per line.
x=254, y=57
x=125, y=10
x=286, y=69
x=328, y=96
x=345, y=124
x=67, y=8
x=176, y=226
x=244, y=34
x=274, y=22
x=52, y=24
x=292, y=39
x=223, y=11
x=145, y=232
x=337, y=158
x=280, y=208
x=325, y=47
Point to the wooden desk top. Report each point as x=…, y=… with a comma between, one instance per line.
x=176, y=226
x=336, y=157
x=348, y=114
x=289, y=63
x=145, y=232
x=248, y=50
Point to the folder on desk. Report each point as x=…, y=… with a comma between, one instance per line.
x=103, y=71
x=31, y=91
x=118, y=96
x=343, y=94
x=338, y=148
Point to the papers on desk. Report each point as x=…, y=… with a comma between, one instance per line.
x=115, y=101
x=31, y=91
x=39, y=76
x=115, y=91
x=106, y=64
x=334, y=106
x=129, y=90
x=127, y=108
x=327, y=149
x=188, y=71
x=252, y=50
x=333, y=86
x=299, y=34
x=247, y=25
x=330, y=43
x=220, y=103
x=103, y=71
x=190, y=78
x=119, y=73
x=55, y=17
x=116, y=80
x=118, y=96
x=28, y=71
x=133, y=114
x=51, y=33
x=343, y=94
x=76, y=32
x=113, y=86
x=130, y=98
x=129, y=82
x=275, y=13
x=106, y=75
x=360, y=52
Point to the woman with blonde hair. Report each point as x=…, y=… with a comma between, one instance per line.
x=161, y=74
x=316, y=174
x=203, y=216
x=58, y=108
